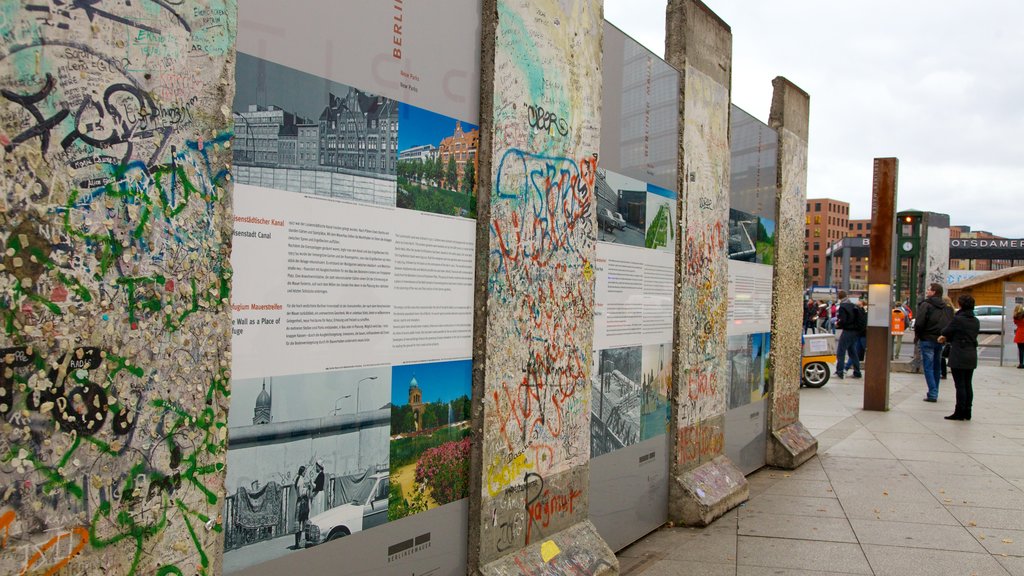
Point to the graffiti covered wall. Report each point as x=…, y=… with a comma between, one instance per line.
x=703, y=295
x=540, y=287
x=115, y=222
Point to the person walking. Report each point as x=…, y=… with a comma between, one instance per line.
x=810, y=314
x=962, y=336
x=1018, y=334
x=932, y=316
x=847, y=321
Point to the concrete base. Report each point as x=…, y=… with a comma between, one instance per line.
x=906, y=366
x=578, y=549
x=791, y=446
x=708, y=492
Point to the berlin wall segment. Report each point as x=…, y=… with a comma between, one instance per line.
x=115, y=217
x=705, y=484
x=534, y=429
x=789, y=442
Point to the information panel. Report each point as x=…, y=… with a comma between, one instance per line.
x=752, y=255
x=354, y=164
x=633, y=325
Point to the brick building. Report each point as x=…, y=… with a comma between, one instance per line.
x=827, y=223
x=858, y=266
x=461, y=146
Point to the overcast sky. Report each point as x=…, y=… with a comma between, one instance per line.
x=938, y=84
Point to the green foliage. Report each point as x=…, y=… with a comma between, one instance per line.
x=469, y=181
x=399, y=506
x=415, y=196
x=405, y=451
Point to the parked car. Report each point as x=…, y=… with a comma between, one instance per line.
x=367, y=512
x=610, y=220
x=991, y=318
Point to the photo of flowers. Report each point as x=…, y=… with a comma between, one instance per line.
x=430, y=428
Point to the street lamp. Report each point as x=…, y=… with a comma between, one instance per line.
x=357, y=389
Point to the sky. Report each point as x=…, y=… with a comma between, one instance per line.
x=937, y=84
x=418, y=126
x=438, y=381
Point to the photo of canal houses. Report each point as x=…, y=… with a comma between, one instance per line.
x=437, y=163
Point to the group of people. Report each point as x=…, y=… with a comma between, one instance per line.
x=309, y=496
x=946, y=337
x=937, y=326
x=820, y=315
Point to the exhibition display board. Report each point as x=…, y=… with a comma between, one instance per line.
x=354, y=164
x=638, y=226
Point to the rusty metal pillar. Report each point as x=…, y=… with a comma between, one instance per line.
x=883, y=226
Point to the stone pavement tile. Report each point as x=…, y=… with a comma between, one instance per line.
x=1006, y=466
x=977, y=491
x=999, y=542
x=911, y=535
x=760, y=481
x=794, y=487
x=801, y=555
x=1014, y=565
x=917, y=442
x=925, y=469
x=670, y=567
x=889, y=509
x=900, y=561
x=1015, y=432
x=883, y=490
x=955, y=458
x=1019, y=483
x=896, y=422
x=772, y=504
x=997, y=445
x=988, y=517
x=797, y=527
x=858, y=448
x=763, y=571
x=844, y=468
x=687, y=544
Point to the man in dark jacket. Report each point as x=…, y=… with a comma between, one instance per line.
x=932, y=316
x=847, y=320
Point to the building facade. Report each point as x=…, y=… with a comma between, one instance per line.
x=462, y=147
x=827, y=222
x=257, y=131
x=858, y=265
x=359, y=131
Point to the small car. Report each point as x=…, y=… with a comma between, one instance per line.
x=351, y=517
x=990, y=318
x=610, y=220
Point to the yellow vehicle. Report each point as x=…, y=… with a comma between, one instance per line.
x=819, y=352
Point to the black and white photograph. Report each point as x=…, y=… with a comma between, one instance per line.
x=621, y=208
x=616, y=394
x=742, y=236
x=301, y=133
x=307, y=462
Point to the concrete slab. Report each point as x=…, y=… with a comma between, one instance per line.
x=894, y=510
x=707, y=492
x=924, y=469
x=794, y=487
x=800, y=554
x=884, y=490
x=797, y=527
x=857, y=448
x=1000, y=542
x=774, y=504
x=791, y=446
x=670, y=567
x=762, y=571
x=900, y=561
x=1013, y=565
x=898, y=442
x=1007, y=466
x=1000, y=518
x=913, y=535
x=577, y=548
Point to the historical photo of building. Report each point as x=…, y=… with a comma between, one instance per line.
x=748, y=363
x=437, y=163
x=301, y=133
x=307, y=464
x=621, y=208
x=616, y=397
x=430, y=428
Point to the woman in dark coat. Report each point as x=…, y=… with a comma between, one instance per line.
x=962, y=335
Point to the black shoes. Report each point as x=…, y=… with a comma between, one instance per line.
x=855, y=375
x=1021, y=366
x=840, y=376
x=926, y=399
x=954, y=417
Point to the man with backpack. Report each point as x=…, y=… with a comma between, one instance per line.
x=932, y=316
x=848, y=319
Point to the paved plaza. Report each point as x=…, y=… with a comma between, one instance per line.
x=897, y=493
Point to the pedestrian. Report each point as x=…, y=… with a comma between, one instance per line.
x=1018, y=334
x=862, y=335
x=832, y=311
x=301, y=504
x=810, y=310
x=945, y=347
x=319, y=496
x=847, y=321
x=932, y=316
x=962, y=336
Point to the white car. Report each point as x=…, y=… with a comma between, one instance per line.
x=352, y=517
x=610, y=220
x=990, y=318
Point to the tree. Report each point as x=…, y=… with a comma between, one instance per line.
x=451, y=178
x=469, y=179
